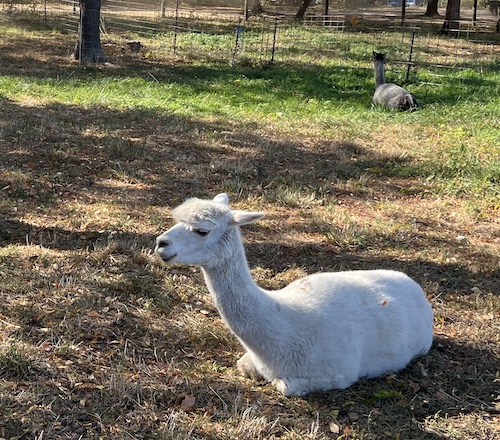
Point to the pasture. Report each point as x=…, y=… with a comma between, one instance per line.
x=98, y=339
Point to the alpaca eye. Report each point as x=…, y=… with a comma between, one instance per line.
x=201, y=232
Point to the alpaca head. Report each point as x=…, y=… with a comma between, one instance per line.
x=377, y=56
x=201, y=226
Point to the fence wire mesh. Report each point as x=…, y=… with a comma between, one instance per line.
x=221, y=32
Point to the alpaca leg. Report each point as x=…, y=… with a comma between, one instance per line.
x=300, y=386
x=293, y=386
x=247, y=367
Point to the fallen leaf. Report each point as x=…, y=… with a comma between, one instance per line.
x=267, y=411
x=347, y=430
x=334, y=428
x=187, y=403
x=46, y=346
x=353, y=416
x=441, y=395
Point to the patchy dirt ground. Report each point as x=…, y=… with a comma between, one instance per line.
x=99, y=340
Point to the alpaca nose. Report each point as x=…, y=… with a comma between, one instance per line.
x=161, y=242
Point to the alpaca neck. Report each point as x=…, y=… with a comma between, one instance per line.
x=379, y=73
x=242, y=304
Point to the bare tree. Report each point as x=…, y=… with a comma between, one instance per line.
x=88, y=47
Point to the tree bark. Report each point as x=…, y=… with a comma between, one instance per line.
x=495, y=10
x=302, y=10
x=88, y=47
x=432, y=8
x=326, y=6
x=257, y=8
x=452, y=17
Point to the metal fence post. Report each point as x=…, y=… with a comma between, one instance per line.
x=410, y=57
x=176, y=22
x=239, y=31
x=273, y=48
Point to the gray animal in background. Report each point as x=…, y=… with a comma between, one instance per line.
x=390, y=95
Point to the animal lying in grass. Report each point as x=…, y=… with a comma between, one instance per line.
x=321, y=332
x=390, y=95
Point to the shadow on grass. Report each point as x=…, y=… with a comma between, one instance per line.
x=452, y=380
x=18, y=232
x=57, y=159
x=461, y=87
x=159, y=367
x=62, y=151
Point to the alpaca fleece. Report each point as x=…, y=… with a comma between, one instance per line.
x=320, y=332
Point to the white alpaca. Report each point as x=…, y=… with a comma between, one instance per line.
x=320, y=332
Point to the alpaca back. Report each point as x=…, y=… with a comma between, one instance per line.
x=394, y=97
x=355, y=324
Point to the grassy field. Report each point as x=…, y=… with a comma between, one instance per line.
x=99, y=340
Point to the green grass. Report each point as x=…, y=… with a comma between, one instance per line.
x=99, y=339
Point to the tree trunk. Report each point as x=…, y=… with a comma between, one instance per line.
x=302, y=10
x=257, y=8
x=452, y=17
x=88, y=47
x=432, y=8
x=495, y=10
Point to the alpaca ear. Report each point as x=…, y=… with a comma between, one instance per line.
x=241, y=218
x=222, y=198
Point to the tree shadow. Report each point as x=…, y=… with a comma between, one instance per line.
x=446, y=277
x=145, y=159
x=56, y=154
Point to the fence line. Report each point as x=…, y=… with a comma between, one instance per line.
x=207, y=33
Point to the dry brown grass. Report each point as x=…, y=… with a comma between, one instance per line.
x=99, y=340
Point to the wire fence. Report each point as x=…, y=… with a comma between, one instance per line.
x=221, y=33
